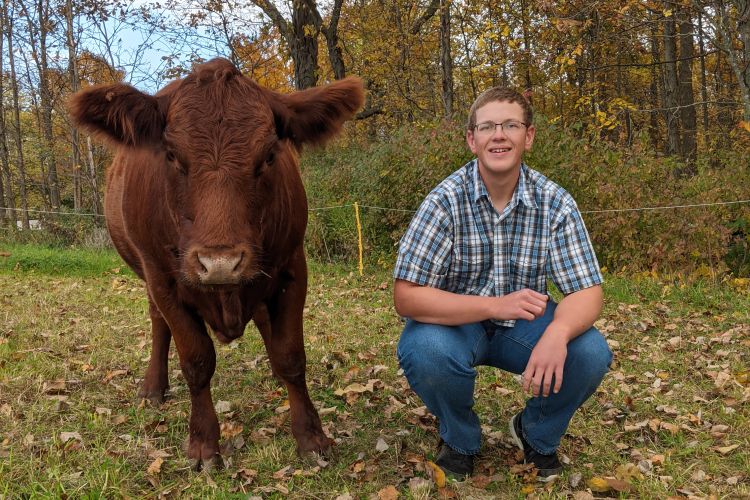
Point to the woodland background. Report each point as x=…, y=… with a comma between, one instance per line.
x=639, y=104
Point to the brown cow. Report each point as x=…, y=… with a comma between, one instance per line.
x=204, y=201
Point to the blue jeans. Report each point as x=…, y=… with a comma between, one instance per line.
x=439, y=362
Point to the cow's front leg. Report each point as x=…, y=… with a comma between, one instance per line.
x=156, y=382
x=198, y=362
x=286, y=351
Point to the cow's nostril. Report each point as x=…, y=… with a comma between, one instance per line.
x=237, y=266
x=204, y=264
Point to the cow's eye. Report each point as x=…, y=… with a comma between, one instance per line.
x=270, y=157
x=170, y=156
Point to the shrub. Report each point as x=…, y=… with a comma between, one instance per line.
x=396, y=173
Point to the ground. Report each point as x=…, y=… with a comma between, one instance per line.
x=670, y=419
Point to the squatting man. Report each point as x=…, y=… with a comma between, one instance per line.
x=471, y=280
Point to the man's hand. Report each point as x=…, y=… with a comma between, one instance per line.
x=523, y=304
x=547, y=360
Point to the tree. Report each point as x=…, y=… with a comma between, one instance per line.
x=688, y=124
x=20, y=166
x=39, y=25
x=301, y=36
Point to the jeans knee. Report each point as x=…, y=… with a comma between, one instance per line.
x=427, y=360
x=592, y=355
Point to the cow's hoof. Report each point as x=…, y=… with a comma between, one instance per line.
x=205, y=464
x=155, y=397
x=315, y=446
x=319, y=458
x=202, y=457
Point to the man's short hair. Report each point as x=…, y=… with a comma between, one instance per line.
x=500, y=94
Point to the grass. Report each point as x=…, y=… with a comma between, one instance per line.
x=74, y=343
x=56, y=261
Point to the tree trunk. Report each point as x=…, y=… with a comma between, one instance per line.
x=75, y=140
x=740, y=63
x=304, y=45
x=17, y=121
x=704, y=87
x=331, y=33
x=95, y=199
x=671, y=104
x=39, y=53
x=685, y=97
x=656, y=77
x=743, y=27
x=526, y=47
x=446, y=59
x=6, y=214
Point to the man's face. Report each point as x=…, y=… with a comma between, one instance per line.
x=499, y=152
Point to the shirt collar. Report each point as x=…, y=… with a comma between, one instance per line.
x=523, y=193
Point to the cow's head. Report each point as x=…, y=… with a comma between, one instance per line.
x=231, y=149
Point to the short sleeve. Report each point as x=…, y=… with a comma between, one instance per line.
x=572, y=262
x=425, y=249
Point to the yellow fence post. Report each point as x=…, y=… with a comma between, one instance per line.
x=359, y=235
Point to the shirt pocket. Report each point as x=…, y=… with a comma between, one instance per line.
x=469, y=272
x=527, y=272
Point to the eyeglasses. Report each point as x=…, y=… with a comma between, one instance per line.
x=510, y=127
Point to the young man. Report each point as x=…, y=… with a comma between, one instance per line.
x=471, y=279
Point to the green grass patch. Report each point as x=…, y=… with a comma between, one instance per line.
x=59, y=261
x=74, y=347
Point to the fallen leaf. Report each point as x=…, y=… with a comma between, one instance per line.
x=657, y=459
x=283, y=408
x=223, y=407
x=726, y=449
x=112, y=374
x=437, y=474
x=698, y=476
x=284, y=472
x=598, y=484
x=617, y=484
x=158, y=454
x=67, y=436
x=575, y=480
x=388, y=493
x=155, y=467
x=55, y=387
x=627, y=472
x=420, y=487
x=381, y=445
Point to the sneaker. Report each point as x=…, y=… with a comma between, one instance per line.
x=455, y=465
x=547, y=465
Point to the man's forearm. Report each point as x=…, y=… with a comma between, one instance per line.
x=432, y=305
x=577, y=312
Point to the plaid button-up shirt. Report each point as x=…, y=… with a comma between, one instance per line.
x=458, y=242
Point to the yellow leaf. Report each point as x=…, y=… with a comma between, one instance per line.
x=626, y=472
x=598, y=484
x=726, y=449
x=155, y=467
x=667, y=12
x=528, y=489
x=744, y=125
x=437, y=474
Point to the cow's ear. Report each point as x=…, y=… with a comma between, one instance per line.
x=119, y=114
x=314, y=115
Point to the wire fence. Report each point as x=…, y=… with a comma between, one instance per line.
x=358, y=222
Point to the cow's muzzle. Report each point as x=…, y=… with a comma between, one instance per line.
x=219, y=266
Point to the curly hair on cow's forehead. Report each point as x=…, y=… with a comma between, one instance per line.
x=499, y=94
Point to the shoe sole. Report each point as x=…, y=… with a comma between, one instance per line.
x=544, y=475
x=512, y=430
